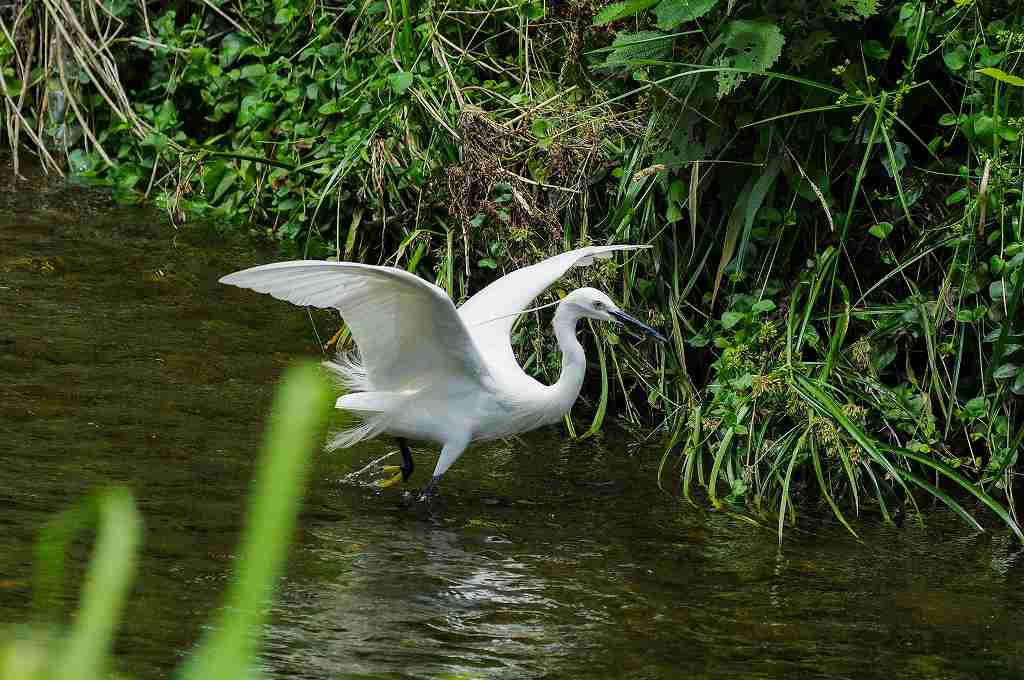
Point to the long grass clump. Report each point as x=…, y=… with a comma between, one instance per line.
x=833, y=190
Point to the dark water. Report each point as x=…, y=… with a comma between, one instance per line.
x=122, y=360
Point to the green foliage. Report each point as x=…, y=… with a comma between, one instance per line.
x=622, y=10
x=629, y=48
x=673, y=13
x=832, y=190
x=229, y=648
x=748, y=46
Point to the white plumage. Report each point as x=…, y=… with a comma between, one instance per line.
x=429, y=371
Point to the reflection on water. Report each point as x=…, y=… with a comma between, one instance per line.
x=123, y=361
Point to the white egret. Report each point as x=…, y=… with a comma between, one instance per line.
x=428, y=371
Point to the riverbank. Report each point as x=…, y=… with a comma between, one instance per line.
x=834, y=199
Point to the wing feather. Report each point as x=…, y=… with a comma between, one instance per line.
x=491, y=313
x=407, y=330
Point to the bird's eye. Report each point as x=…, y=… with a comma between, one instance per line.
x=598, y=304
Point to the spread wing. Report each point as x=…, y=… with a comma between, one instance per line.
x=407, y=330
x=513, y=293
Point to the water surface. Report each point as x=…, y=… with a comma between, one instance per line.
x=123, y=361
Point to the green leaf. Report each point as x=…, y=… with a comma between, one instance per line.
x=698, y=341
x=957, y=196
x=621, y=10
x=672, y=13
x=636, y=46
x=881, y=230
x=971, y=315
x=1002, y=76
x=226, y=182
x=875, y=50
x=763, y=306
x=285, y=15
x=997, y=291
x=167, y=115
x=1018, y=385
x=984, y=126
x=81, y=161
x=1006, y=371
x=956, y=58
x=730, y=319
x=976, y=408
x=400, y=81
x=333, y=106
x=254, y=71
x=230, y=47
x=749, y=45
x=948, y=119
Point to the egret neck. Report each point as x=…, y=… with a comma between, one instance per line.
x=574, y=362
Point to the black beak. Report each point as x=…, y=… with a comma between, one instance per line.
x=647, y=330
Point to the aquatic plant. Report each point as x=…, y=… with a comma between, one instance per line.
x=43, y=649
x=833, y=191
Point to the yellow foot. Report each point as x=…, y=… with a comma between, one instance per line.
x=334, y=339
x=394, y=479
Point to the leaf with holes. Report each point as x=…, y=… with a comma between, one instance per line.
x=672, y=13
x=749, y=45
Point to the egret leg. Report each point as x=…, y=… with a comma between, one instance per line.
x=399, y=473
x=407, y=464
x=449, y=454
x=430, y=490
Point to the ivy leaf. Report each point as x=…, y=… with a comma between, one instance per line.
x=672, y=13
x=622, y=10
x=750, y=45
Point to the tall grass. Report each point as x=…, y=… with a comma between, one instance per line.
x=43, y=649
x=833, y=190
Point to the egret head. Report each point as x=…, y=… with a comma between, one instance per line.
x=593, y=304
